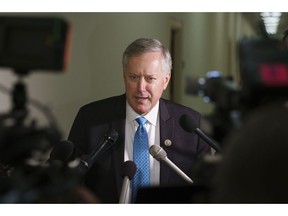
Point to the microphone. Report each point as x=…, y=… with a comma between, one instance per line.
x=109, y=139
x=128, y=171
x=188, y=124
x=159, y=154
x=61, y=152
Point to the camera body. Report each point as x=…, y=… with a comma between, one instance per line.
x=29, y=44
x=34, y=43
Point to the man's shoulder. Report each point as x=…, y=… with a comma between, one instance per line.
x=176, y=107
x=110, y=102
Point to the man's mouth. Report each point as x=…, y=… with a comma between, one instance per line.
x=141, y=98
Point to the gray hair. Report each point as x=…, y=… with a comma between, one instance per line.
x=144, y=45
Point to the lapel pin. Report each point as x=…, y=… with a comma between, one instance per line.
x=167, y=142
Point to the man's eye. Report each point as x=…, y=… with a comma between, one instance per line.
x=133, y=77
x=151, y=78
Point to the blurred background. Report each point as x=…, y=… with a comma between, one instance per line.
x=200, y=42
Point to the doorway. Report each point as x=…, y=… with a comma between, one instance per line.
x=175, y=88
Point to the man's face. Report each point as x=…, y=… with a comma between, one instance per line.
x=145, y=81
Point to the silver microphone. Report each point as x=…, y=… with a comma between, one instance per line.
x=159, y=154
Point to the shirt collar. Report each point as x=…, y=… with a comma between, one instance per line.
x=151, y=116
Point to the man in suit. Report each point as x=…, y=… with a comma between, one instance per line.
x=146, y=70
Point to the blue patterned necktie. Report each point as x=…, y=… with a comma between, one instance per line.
x=141, y=157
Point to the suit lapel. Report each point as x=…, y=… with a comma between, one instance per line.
x=118, y=152
x=166, y=135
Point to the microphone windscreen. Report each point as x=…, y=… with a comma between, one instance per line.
x=62, y=151
x=129, y=169
x=187, y=123
x=157, y=152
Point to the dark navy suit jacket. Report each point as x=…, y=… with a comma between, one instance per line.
x=104, y=178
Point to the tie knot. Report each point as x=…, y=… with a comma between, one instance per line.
x=141, y=120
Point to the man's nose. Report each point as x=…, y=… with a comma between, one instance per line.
x=141, y=86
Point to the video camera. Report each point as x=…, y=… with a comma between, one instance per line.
x=29, y=44
x=263, y=64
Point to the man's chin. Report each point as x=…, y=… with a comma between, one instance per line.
x=141, y=110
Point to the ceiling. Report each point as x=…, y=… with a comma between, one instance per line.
x=255, y=20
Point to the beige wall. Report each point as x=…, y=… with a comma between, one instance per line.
x=207, y=41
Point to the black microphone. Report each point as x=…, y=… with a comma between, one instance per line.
x=109, y=139
x=128, y=171
x=188, y=124
x=159, y=154
x=61, y=152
